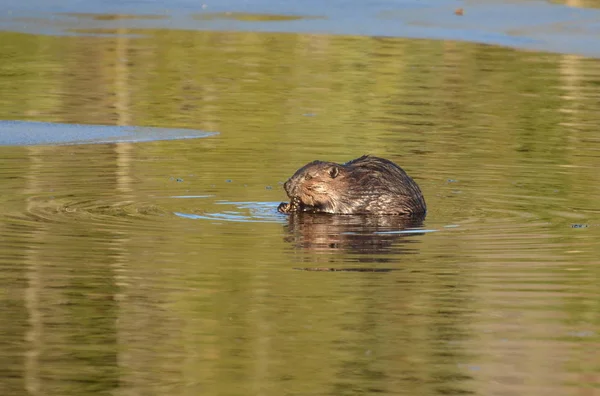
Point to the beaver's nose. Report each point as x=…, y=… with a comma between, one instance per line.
x=287, y=185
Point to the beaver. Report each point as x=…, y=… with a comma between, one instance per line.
x=365, y=185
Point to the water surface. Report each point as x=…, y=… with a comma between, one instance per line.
x=163, y=267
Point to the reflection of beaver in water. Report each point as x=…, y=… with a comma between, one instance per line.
x=370, y=238
x=366, y=185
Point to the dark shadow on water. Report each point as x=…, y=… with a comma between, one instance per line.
x=333, y=269
x=252, y=17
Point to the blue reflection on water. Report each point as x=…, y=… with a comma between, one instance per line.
x=25, y=133
x=249, y=212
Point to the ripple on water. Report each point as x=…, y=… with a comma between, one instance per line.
x=99, y=212
x=244, y=212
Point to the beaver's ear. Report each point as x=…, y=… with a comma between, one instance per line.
x=333, y=172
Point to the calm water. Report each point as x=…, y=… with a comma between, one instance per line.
x=163, y=268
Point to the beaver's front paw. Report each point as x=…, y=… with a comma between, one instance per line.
x=284, y=207
x=295, y=205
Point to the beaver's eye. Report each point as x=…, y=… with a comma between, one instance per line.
x=333, y=172
x=307, y=177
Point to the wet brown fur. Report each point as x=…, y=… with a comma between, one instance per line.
x=366, y=185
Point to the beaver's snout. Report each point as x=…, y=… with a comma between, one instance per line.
x=286, y=187
x=290, y=188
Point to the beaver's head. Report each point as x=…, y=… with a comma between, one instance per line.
x=317, y=186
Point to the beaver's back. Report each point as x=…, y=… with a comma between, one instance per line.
x=380, y=186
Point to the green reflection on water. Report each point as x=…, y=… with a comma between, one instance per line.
x=107, y=292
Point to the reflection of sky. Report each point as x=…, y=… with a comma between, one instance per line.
x=525, y=24
x=27, y=133
x=244, y=212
